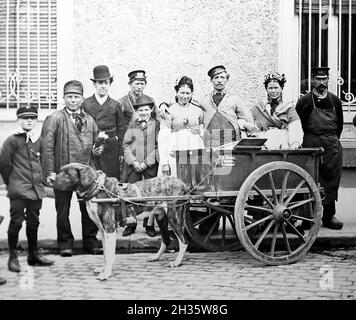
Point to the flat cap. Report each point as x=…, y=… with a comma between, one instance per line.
x=215, y=71
x=320, y=71
x=143, y=100
x=73, y=86
x=137, y=75
x=27, y=111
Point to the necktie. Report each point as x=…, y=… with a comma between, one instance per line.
x=78, y=121
x=143, y=123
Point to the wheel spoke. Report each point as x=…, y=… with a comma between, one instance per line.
x=256, y=223
x=211, y=229
x=273, y=243
x=264, y=233
x=302, y=218
x=263, y=209
x=285, y=238
x=273, y=187
x=263, y=196
x=300, y=184
x=284, y=186
x=223, y=230
x=301, y=203
x=232, y=223
x=203, y=219
x=296, y=231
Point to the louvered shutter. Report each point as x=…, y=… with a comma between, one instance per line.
x=28, y=58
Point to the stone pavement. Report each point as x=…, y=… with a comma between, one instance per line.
x=139, y=241
x=203, y=276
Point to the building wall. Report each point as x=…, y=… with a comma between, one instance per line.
x=173, y=38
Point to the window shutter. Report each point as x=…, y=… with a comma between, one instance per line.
x=304, y=5
x=28, y=59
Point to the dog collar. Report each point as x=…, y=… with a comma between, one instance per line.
x=96, y=187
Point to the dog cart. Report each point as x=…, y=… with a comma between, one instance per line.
x=268, y=201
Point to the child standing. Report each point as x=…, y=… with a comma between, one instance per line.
x=20, y=167
x=141, y=152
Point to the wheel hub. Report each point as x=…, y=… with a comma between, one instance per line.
x=281, y=213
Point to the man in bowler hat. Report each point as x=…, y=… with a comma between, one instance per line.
x=69, y=136
x=109, y=118
x=321, y=115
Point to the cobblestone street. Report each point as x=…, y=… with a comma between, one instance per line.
x=206, y=276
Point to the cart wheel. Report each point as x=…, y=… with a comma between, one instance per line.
x=290, y=213
x=219, y=232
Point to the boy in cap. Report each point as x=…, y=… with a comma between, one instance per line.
x=109, y=118
x=69, y=136
x=20, y=167
x=141, y=152
x=321, y=115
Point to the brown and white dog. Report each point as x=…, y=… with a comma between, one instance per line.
x=90, y=184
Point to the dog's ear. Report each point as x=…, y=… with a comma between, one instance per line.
x=87, y=175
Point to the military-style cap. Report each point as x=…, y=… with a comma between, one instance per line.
x=73, y=86
x=27, y=111
x=101, y=73
x=143, y=100
x=320, y=72
x=137, y=75
x=215, y=71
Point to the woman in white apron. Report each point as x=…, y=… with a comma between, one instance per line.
x=182, y=128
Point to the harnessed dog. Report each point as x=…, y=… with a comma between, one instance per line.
x=91, y=184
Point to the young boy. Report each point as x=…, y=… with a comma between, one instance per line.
x=141, y=152
x=20, y=167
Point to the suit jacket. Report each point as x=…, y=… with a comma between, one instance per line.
x=141, y=144
x=108, y=117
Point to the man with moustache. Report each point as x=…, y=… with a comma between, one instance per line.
x=69, y=135
x=321, y=115
x=109, y=118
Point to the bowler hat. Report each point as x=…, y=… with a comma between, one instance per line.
x=216, y=70
x=143, y=100
x=27, y=111
x=137, y=75
x=73, y=86
x=320, y=71
x=101, y=73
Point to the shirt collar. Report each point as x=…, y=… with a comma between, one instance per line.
x=71, y=112
x=30, y=135
x=101, y=100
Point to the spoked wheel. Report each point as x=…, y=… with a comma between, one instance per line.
x=289, y=210
x=213, y=229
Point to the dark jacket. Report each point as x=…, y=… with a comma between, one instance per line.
x=108, y=117
x=20, y=166
x=64, y=144
x=305, y=107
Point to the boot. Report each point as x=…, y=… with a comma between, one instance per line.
x=13, y=263
x=36, y=259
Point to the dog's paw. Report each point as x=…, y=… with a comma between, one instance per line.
x=153, y=258
x=103, y=276
x=175, y=264
x=98, y=270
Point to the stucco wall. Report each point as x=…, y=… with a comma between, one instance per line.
x=172, y=38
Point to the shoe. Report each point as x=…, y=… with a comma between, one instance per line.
x=2, y=281
x=333, y=223
x=13, y=263
x=66, y=252
x=151, y=231
x=128, y=230
x=93, y=251
x=36, y=259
